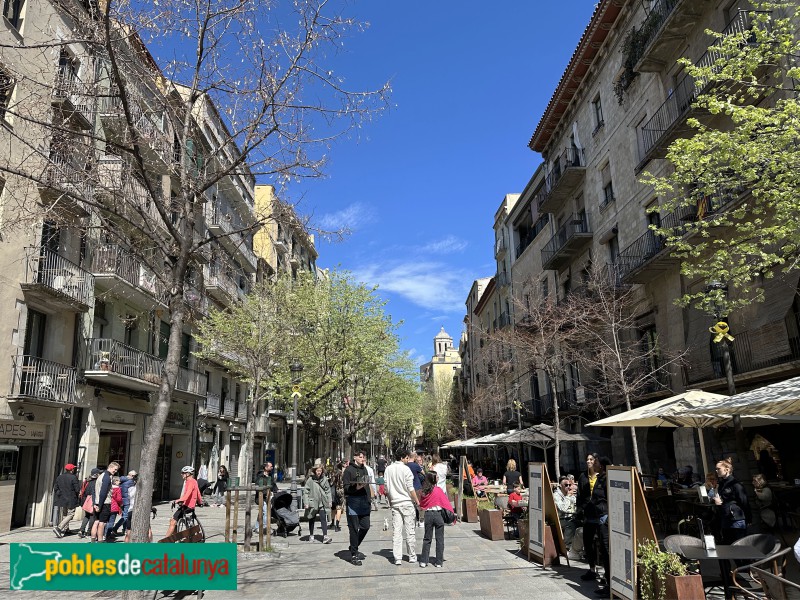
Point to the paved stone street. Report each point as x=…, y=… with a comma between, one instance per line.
x=474, y=567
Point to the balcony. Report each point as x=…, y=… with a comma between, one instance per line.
x=500, y=249
x=115, y=269
x=71, y=96
x=502, y=279
x=571, y=399
x=766, y=351
x=56, y=281
x=197, y=301
x=228, y=408
x=567, y=173
x=151, y=128
x=669, y=121
x=220, y=284
x=241, y=411
x=648, y=256
x=663, y=32
x=571, y=238
x=43, y=381
x=223, y=222
x=66, y=183
x=211, y=405
x=112, y=362
x=191, y=382
x=503, y=320
x=125, y=194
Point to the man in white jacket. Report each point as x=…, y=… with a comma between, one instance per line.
x=402, y=499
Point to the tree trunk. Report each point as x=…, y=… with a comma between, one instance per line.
x=635, y=442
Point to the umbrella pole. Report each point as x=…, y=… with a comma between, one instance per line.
x=703, y=454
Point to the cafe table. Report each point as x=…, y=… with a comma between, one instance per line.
x=723, y=554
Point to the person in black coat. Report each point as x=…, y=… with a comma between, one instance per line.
x=67, y=490
x=593, y=497
x=585, y=483
x=732, y=504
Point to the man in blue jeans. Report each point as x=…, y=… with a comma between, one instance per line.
x=266, y=479
x=357, y=492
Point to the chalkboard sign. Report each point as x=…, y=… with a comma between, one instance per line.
x=628, y=525
x=545, y=542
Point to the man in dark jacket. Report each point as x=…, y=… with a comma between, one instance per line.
x=67, y=489
x=357, y=494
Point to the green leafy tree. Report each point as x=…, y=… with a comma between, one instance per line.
x=737, y=173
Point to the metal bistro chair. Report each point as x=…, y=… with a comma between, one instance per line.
x=766, y=542
x=709, y=572
x=773, y=583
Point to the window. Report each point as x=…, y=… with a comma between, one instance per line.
x=597, y=111
x=545, y=288
x=12, y=10
x=6, y=89
x=608, y=187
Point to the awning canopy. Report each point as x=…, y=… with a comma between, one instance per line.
x=683, y=410
x=543, y=436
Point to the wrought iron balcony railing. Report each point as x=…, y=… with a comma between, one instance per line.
x=41, y=379
x=46, y=269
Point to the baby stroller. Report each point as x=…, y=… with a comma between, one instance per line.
x=282, y=513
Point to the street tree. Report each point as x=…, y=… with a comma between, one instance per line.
x=169, y=104
x=625, y=361
x=438, y=410
x=737, y=174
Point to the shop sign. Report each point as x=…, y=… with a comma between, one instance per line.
x=21, y=430
x=235, y=437
x=178, y=419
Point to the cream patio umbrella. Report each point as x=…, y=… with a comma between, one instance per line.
x=780, y=401
x=683, y=410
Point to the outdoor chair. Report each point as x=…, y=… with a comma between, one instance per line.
x=708, y=570
x=669, y=513
x=772, y=583
x=765, y=542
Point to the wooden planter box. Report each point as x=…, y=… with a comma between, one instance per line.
x=492, y=524
x=469, y=510
x=683, y=587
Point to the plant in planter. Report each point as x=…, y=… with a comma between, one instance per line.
x=662, y=574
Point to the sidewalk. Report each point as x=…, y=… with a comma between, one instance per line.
x=474, y=566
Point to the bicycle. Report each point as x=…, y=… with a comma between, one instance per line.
x=188, y=529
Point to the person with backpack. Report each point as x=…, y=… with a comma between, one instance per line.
x=126, y=483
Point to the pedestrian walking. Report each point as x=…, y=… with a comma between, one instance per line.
x=338, y=504
x=434, y=501
x=126, y=483
x=357, y=494
x=87, y=502
x=221, y=485
x=403, y=501
x=116, y=508
x=102, y=501
x=316, y=499
x=595, y=526
x=441, y=472
x=66, y=496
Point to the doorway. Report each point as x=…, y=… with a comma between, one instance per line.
x=163, y=469
x=24, y=468
x=113, y=447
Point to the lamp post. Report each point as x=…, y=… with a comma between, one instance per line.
x=297, y=369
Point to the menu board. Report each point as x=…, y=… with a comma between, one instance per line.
x=628, y=524
x=545, y=538
x=536, y=521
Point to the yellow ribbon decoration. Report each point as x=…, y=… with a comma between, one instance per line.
x=720, y=331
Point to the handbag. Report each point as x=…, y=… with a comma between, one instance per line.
x=88, y=505
x=448, y=516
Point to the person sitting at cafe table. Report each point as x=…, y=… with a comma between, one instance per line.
x=686, y=476
x=764, y=501
x=516, y=502
x=479, y=482
x=662, y=477
x=565, y=498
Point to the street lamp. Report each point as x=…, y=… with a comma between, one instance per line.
x=297, y=369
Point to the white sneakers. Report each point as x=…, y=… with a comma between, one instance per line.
x=398, y=561
x=423, y=565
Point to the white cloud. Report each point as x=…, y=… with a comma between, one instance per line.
x=448, y=245
x=431, y=285
x=351, y=218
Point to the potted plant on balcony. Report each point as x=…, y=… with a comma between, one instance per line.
x=663, y=575
x=104, y=362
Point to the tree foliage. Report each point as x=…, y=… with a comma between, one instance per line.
x=737, y=173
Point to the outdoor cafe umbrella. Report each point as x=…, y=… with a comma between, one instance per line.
x=780, y=401
x=684, y=410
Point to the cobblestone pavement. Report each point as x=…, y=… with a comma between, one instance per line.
x=474, y=567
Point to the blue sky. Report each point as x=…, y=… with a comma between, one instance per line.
x=420, y=185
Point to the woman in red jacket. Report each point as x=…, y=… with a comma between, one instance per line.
x=434, y=501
